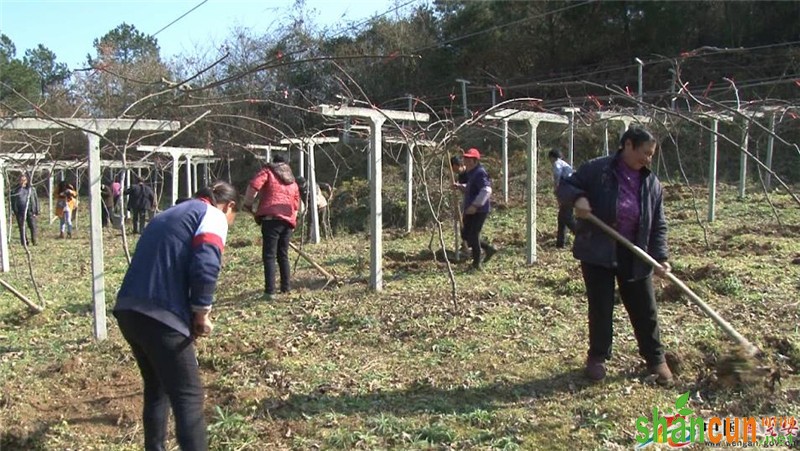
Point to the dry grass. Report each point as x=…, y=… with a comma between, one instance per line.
x=345, y=368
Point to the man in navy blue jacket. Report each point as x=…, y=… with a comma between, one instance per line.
x=477, y=192
x=164, y=303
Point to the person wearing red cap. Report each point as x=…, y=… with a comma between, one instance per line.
x=477, y=192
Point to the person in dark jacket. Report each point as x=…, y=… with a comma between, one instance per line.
x=278, y=202
x=621, y=191
x=106, y=201
x=164, y=304
x=25, y=206
x=477, y=192
x=459, y=170
x=140, y=202
x=566, y=220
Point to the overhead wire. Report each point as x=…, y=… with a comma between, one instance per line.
x=179, y=18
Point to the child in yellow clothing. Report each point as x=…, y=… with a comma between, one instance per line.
x=65, y=205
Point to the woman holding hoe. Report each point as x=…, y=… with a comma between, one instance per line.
x=621, y=191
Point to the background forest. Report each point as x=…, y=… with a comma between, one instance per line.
x=261, y=85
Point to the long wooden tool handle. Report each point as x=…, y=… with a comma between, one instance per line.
x=21, y=297
x=750, y=349
x=313, y=263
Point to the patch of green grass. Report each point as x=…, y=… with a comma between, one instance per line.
x=230, y=430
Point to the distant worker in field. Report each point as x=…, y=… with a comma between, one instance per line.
x=116, y=193
x=621, y=191
x=278, y=195
x=164, y=305
x=566, y=219
x=324, y=193
x=25, y=206
x=106, y=201
x=66, y=203
x=476, y=206
x=140, y=202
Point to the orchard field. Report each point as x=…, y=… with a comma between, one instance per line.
x=410, y=368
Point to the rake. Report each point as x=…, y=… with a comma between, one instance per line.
x=749, y=349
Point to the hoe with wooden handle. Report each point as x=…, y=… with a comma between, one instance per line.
x=748, y=347
x=330, y=277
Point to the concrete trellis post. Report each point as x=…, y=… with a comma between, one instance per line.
x=464, y=84
x=4, y=261
x=770, y=149
x=410, y=188
x=571, y=144
x=4, y=231
x=311, y=208
x=194, y=176
x=205, y=161
x=532, y=120
x=94, y=129
x=748, y=116
x=743, y=161
x=505, y=161
x=626, y=120
x=773, y=112
x=50, y=196
x=176, y=153
x=712, y=160
x=188, y=175
x=639, y=92
x=376, y=118
x=712, y=171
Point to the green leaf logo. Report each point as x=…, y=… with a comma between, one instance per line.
x=681, y=402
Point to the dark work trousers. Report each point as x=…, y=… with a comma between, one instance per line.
x=23, y=233
x=566, y=220
x=168, y=363
x=639, y=300
x=138, y=217
x=275, y=236
x=471, y=233
x=104, y=213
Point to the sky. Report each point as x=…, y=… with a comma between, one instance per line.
x=68, y=27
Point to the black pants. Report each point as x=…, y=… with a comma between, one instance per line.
x=23, y=233
x=138, y=217
x=275, y=235
x=104, y=213
x=168, y=363
x=566, y=220
x=471, y=233
x=639, y=300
